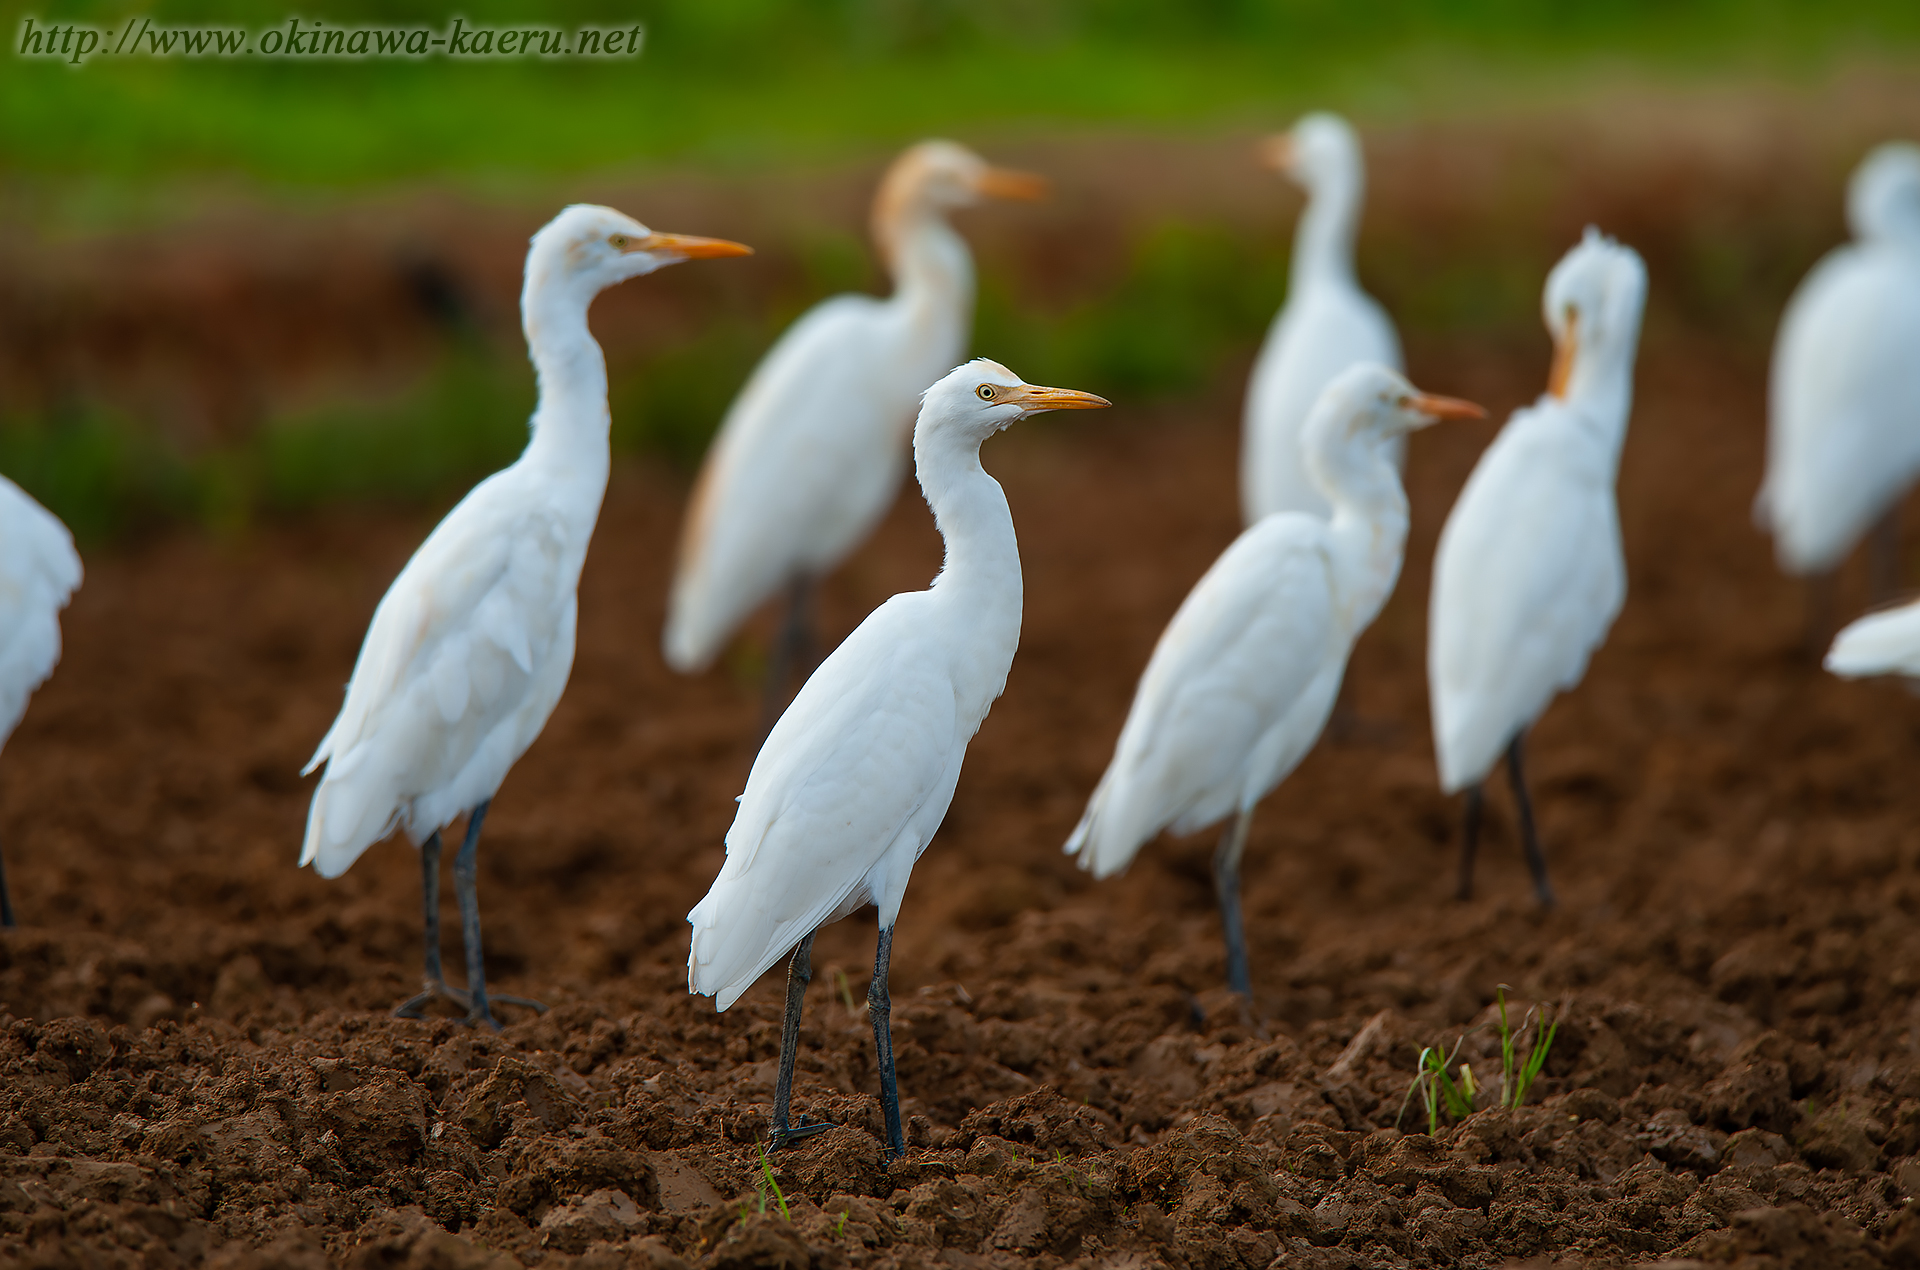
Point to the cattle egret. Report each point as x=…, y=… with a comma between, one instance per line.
x=1885, y=643
x=1529, y=574
x=1326, y=325
x=813, y=450
x=858, y=773
x=1843, y=437
x=470, y=649
x=39, y=570
x=1243, y=679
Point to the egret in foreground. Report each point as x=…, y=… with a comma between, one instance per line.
x=470, y=649
x=1243, y=679
x=39, y=571
x=1843, y=437
x=1530, y=574
x=859, y=772
x=1884, y=643
x=1326, y=325
x=812, y=452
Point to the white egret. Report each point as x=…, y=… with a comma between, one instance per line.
x=1843, y=437
x=1243, y=679
x=39, y=571
x=858, y=773
x=812, y=452
x=1326, y=325
x=1884, y=643
x=469, y=650
x=1529, y=574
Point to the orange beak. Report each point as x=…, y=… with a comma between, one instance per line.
x=687, y=247
x=1006, y=183
x=1034, y=398
x=1563, y=354
x=1275, y=152
x=1440, y=408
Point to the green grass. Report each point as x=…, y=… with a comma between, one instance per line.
x=1448, y=1089
x=746, y=81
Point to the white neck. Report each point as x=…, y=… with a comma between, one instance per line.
x=1368, y=529
x=571, y=422
x=1323, y=241
x=932, y=268
x=981, y=573
x=1600, y=385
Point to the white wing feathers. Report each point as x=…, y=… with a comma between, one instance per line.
x=39, y=571
x=1242, y=651
x=1528, y=579
x=807, y=459
x=847, y=791
x=1885, y=643
x=463, y=661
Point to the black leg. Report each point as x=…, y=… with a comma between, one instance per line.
x=792, y=652
x=1470, y=839
x=1226, y=887
x=434, y=984
x=1819, y=628
x=1536, y=862
x=799, y=975
x=1883, y=557
x=465, y=886
x=6, y=900
x=880, y=1007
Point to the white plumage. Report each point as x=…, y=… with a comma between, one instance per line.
x=812, y=452
x=1530, y=573
x=1843, y=439
x=1240, y=685
x=470, y=649
x=1326, y=325
x=39, y=572
x=1886, y=643
x=859, y=772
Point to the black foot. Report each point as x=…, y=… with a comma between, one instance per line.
x=797, y=1133
x=414, y=1007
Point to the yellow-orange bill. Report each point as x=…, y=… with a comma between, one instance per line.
x=690, y=247
x=1007, y=183
x=1447, y=407
x=1034, y=397
x=1563, y=351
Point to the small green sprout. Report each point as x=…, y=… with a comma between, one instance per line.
x=766, y=1171
x=1443, y=1093
x=1514, y=1085
x=846, y=992
x=840, y=1227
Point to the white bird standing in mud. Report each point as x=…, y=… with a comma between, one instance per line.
x=1243, y=679
x=470, y=649
x=1885, y=643
x=858, y=773
x=39, y=571
x=1326, y=325
x=1530, y=574
x=812, y=452
x=1843, y=438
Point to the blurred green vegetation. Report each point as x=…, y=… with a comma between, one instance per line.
x=740, y=81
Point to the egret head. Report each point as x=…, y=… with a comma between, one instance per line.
x=1592, y=301
x=587, y=248
x=981, y=397
x=1320, y=148
x=1883, y=198
x=1369, y=401
x=938, y=176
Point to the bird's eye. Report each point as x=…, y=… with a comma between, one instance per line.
x=986, y=392
x=619, y=241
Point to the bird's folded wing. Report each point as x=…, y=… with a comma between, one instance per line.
x=846, y=771
x=39, y=570
x=1244, y=646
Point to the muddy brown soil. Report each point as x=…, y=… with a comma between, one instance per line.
x=197, y=1067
